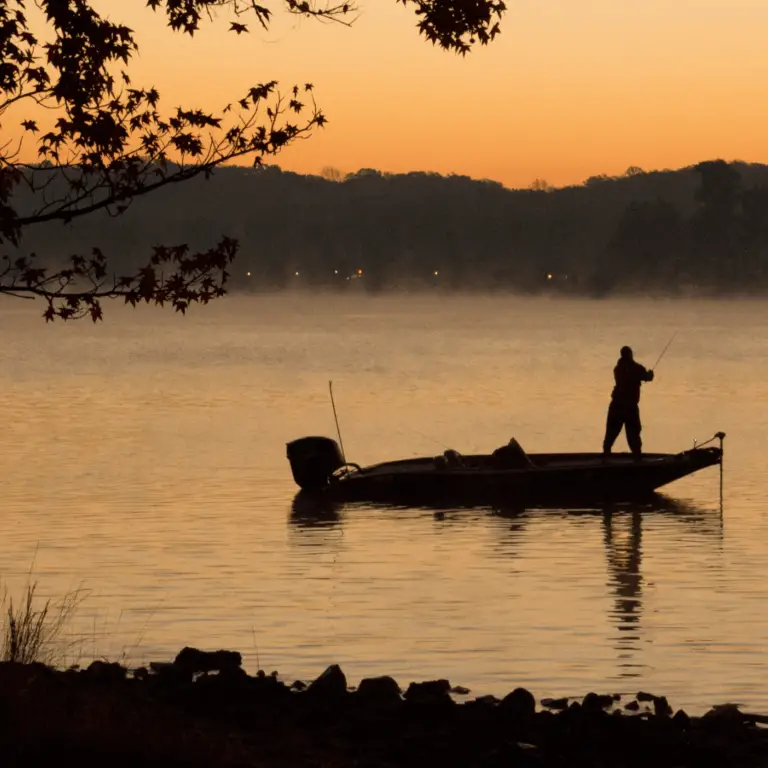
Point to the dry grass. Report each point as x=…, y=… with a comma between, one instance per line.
x=36, y=633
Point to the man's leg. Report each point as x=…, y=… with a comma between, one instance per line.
x=613, y=425
x=634, y=428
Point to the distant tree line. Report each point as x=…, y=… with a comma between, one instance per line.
x=702, y=228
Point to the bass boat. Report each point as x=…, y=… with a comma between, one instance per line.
x=508, y=475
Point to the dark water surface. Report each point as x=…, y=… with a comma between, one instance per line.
x=145, y=459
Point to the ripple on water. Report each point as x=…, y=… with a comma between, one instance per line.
x=145, y=459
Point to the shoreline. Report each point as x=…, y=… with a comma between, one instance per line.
x=204, y=709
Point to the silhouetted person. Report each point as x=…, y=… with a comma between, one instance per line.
x=624, y=410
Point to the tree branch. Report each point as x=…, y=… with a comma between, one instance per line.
x=194, y=278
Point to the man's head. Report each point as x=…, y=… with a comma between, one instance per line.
x=626, y=353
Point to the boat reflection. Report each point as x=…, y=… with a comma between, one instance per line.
x=622, y=534
x=315, y=524
x=308, y=511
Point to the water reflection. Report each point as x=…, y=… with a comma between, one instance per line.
x=315, y=522
x=622, y=537
x=310, y=511
x=623, y=550
x=623, y=541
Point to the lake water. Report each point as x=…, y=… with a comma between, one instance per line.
x=144, y=459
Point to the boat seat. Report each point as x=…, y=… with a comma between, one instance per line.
x=511, y=456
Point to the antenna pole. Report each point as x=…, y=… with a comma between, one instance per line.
x=336, y=419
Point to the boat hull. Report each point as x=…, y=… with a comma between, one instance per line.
x=588, y=477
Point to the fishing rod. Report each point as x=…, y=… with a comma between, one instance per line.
x=663, y=351
x=336, y=418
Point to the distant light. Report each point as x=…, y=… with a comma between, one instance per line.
x=359, y=271
x=335, y=271
x=549, y=275
x=248, y=274
x=436, y=273
x=297, y=274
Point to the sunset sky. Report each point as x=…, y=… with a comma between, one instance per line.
x=571, y=88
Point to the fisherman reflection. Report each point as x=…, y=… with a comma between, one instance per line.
x=624, y=554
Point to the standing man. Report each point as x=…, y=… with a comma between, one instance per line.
x=624, y=410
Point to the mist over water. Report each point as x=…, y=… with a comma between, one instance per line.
x=145, y=458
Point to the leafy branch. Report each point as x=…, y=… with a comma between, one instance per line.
x=100, y=142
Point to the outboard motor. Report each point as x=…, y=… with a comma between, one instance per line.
x=313, y=461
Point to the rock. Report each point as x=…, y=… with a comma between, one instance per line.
x=193, y=660
x=555, y=703
x=70, y=675
x=431, y=696
x=681, y=720
x=14, y=673
x=632, y=706
x=460, y=690
x=519, y=703
x=661, y=707
x=230, y=674
x=643, y=696
x=486, y=701
x=331, y=684
x=167, y=673
x=594, y=702
x=299, y=685
x=429, y=690
x=725, y=713
x=104, y=672
x=379, y=691
x=590, y=701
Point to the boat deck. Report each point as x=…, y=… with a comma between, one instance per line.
x=483, y=463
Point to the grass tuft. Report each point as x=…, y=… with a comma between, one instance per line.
x=31, y=633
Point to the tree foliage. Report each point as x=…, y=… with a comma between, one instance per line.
x=99, y=141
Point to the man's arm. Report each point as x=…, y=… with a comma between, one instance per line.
x=643, y=373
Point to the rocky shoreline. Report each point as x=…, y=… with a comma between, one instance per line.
x=202, y=709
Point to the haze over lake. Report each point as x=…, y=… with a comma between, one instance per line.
x=145, y=458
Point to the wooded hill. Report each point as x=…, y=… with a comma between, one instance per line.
x=702, y=228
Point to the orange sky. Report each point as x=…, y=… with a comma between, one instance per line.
x=570, y=89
